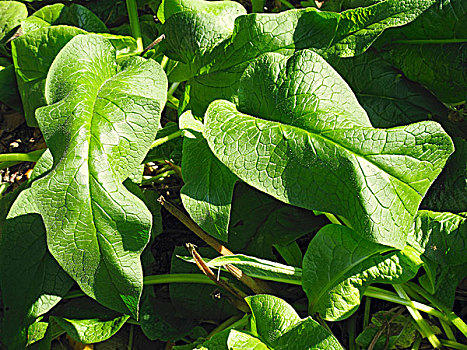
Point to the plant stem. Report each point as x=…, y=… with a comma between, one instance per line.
x=173, y=88
x=173, y=100
x=416, y=344
x=447, y=330
x=134, y=23
x=159, y=279
x=450, y=316
x=257, y=286
x=224, y=325
x=22, y=157
x=167, y=138
x=366, y=314
x=151, y=179
x=453, y=344
x=164, y=62
x=130, y=337
x=424, y=327
x=332, y=218
x=388, y=296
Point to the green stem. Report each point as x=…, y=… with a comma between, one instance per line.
x=424, y=327
x=453, y=344
x=388, y=296
x=130, y=337
x=167, y=138
x=173, y=88
x=366, y=314
x=447, y=330
x=173, y=100
x=332, y=218
x=160, y=279
x=417, y=343
x=134, y=23
x=22, y=157
x=224, y=325
x=450, y=316
x=164, y=62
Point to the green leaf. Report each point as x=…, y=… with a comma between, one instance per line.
x=215, y=73
x=9, y=94
x=33, y=54
x=31, y=281
x=208, y=184
x=259, y=221
x=449, y=191
x=441, y=239
x=395, y=331
x=163, y=321
x=93, y=127
x=339, y=264
x=389, y=98
x=274, y=325
x=88, y=322
x=279, y=326
x=432, y=50
x=11, y=14
x=307, y=142
x=73, y=15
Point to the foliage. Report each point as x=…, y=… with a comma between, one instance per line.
x=274, y=126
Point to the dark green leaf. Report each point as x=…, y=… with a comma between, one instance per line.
x=33, y=55
x=449, y=191
x=389, y=98
x=259, y=221
x=432, y=50
x=9, y=94
x=441, y=239
x=73, y=15
x=88, y=322
x=11, y=14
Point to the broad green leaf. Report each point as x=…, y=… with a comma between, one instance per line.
x=259, y=221
x=194, y=299
x=33, y=55
x=432, y=50
x=449, y=191
x=339, y=264
x=441, y=239
x=389, y=98
x=37, y=331
x=306, y=142
x=279, y=326
x=208, y=184
x=274, y=325
x=88, y=322
x=73, y=15
x=96, y=229
x=193, y=28
x=31, y=281
x=11, y=14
